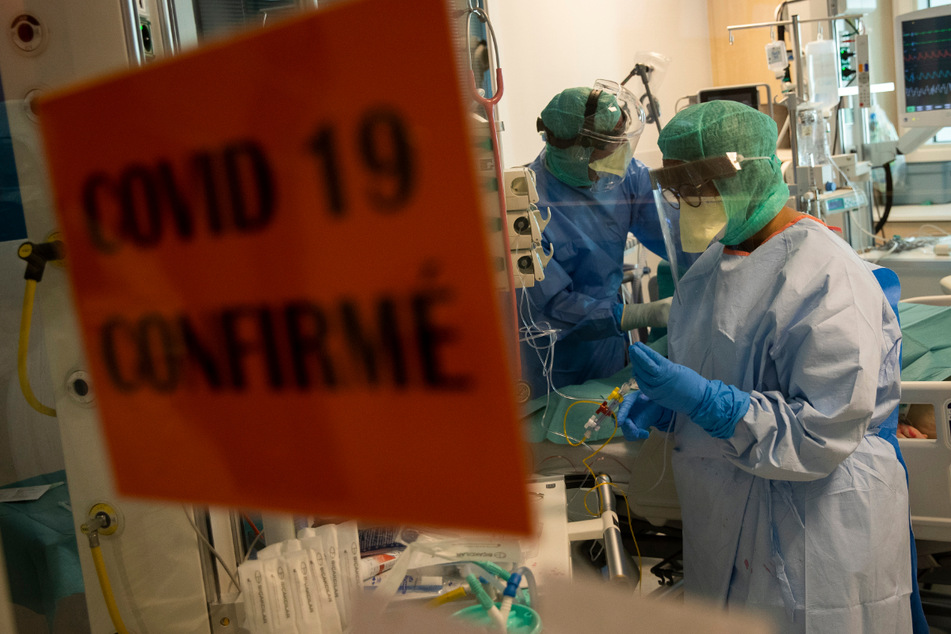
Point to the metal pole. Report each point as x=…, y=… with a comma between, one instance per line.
x=133, y=33
x=760, y=25
x=169, y=26
x=792, y=111
x=619, y=567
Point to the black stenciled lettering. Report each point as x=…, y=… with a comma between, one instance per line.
x=431, y=337
x=159, y=360
x=369, y=348
x=271, y=355
x=124, y=380
x=203, y=163
x=182, y=211
x=96, y=189
x=323, y=146
x=307, y=331
x=249, y=178
x=230, y=188
x=386, y=151
x=138, y=197
x=201, y=354
x=390, y=341
x=240, y=347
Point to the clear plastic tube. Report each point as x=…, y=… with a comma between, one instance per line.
x=529, y=577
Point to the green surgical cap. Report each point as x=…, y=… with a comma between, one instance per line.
x=564, y=116
x=758, y=192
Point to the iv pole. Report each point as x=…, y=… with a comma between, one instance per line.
x=793, y=99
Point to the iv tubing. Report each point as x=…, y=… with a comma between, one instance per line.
x=23, y=349
x=487, y=604
x=106, y=587
x=529, y=577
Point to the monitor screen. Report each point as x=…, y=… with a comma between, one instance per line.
x=923, y=67
x=747, y=94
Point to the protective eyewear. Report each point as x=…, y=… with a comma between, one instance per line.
x=629, y=126
x=688, y=182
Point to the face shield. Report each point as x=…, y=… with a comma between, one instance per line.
x=689, y=203
x=599, y=154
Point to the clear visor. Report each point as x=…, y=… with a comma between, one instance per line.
x=629, y=126
x=681, y=189
x=685, y=182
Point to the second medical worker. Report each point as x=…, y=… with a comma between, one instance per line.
x=597, y=193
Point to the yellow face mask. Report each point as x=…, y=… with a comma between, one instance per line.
x=614, y=163
x=700, y=225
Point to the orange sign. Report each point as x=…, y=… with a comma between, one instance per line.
x=280, y=270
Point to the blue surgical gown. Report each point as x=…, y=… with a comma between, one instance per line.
x=803, y=513
x=588, y=231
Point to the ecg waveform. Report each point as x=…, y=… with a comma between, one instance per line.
x=928, y=91
x=927, y=55
x=926, y=51
x=912, y=77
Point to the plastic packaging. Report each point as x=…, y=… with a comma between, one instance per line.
x=313, y=543
x=822, y=63
x=257, y=597
x=376, y=564
x=304, y=584
x=337, y=582
x=776, y=58
x=283, y=605
x=348, y=545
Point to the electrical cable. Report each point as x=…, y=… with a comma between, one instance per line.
x=254, y=527
x=778, y=15
x=211, y=548
x=536, y=330
x=863, y=199
x=936, y=228
x=23, y=348
x=608, y=457
x=889, y=198
x=247, y=554
x=835, y=129
x=565, y=458
x=884, y=255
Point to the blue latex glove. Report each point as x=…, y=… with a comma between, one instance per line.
x=713, y=405
x=638, y=413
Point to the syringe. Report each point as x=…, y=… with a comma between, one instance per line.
x=608, y=408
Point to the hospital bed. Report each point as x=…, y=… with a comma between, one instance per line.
x=644, y=466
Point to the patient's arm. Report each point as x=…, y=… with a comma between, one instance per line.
x=907, y=431
x=917, y=422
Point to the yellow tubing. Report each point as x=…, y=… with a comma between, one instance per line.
x=23, y=349
x=453, y=595
x=107, y=590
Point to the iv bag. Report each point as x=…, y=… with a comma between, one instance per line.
x=822, y=64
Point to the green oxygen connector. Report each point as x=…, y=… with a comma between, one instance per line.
x=480, y=594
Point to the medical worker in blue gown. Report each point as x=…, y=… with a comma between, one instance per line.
x=597, y=193
x=784, y=366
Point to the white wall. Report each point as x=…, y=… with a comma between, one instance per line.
x=546, y=46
